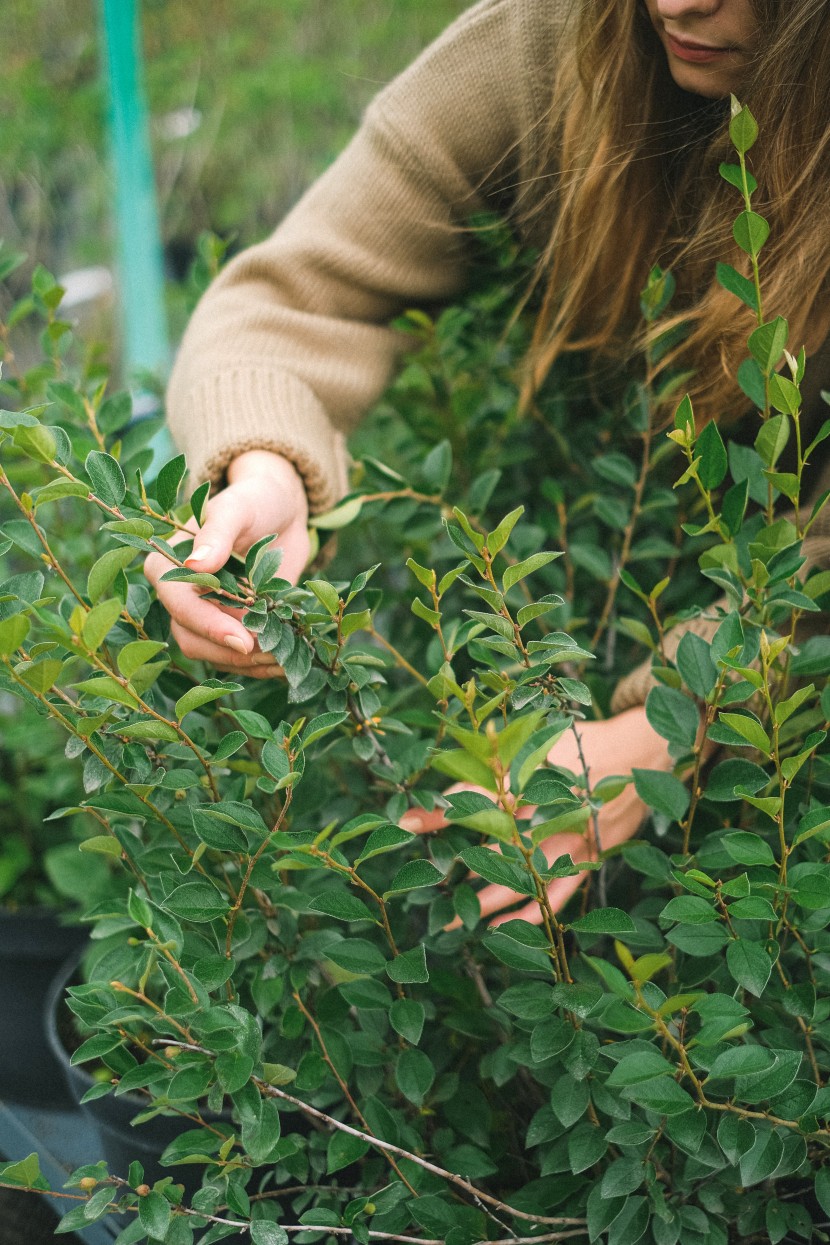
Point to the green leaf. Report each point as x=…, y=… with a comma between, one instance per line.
x=321, y=726
x=748, y=849
x=384, y=839
x=57, y=489
x=216, y=832
x=768, y=342
x=340, y=516
x=344, y=1149
x=414, y=1075
x=735, y=1137
x=407, y=1018
x=154, y=1213
x=109, y=688
x=761, y=1160
x=409, y=966
x=423, y=612
x=691, y=909
x=741, y=1060
x=604, y=921
x=414, y=875
x=357, y=956
x=25, y=1172
x=713, y=460
x=661, y=1095
x=753, y=908
x=642, y=1066
x=204, y=694
x=771, y=441
x=135, y=654
x=500, y=536
x=103, y=844
x=342, y=906
x=586, y=1146
x=784, y=394
x=810, y=883
x=229, y=744
x=95, y=1047
x=743, y=130
x=106, y=477
x=662, y=792
x=736, y=284
x=199, y=902
x=622, y=1177
x=674, y=716
x=166, y=487
x=496, y=868
x=104, y=571
x=823, y=1188
x=147, y=728
x=13, y=632
x=514, y=574
x=750, y=729
x=477, y=812
x=749, y=965
x=263, y=1232
x=99, y=622
x=684, y=420
x=233, y=1070
x=694, y=661
x=730, y=778
x=198, y=501
x=38, y=442
x=750, y=231
x=326, y=594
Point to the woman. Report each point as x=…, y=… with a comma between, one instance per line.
x=596, y=126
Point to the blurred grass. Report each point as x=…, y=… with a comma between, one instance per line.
x=276, y=86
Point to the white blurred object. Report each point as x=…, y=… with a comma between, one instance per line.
x=83, y=286
x=180, y=123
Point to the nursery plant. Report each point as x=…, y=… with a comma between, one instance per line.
x=649, y=1063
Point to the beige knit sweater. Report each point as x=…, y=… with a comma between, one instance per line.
x=290, y=344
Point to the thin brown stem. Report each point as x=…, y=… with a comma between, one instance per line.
x=460, y=1182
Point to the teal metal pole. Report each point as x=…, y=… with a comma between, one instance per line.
x=140, y=268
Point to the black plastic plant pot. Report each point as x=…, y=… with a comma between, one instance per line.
x=33, y=946
x=121, y=1141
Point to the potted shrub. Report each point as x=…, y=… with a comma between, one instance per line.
x=276, y=942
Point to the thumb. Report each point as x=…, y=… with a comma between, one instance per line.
x=227, y=519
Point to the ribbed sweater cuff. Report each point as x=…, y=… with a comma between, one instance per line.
x=249, y=408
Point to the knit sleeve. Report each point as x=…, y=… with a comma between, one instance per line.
x=290, y=344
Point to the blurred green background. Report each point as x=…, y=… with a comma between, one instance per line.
x=249, y=101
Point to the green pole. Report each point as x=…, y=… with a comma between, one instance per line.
x=140, y=268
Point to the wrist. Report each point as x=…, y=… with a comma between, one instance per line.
x=263, y=462
x=271, y=468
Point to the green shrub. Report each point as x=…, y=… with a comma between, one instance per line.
x=272, y=941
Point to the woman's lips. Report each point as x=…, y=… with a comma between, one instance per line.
x=697, y=53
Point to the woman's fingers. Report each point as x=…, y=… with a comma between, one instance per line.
x=494, y=899
x=265, y=495
x=617, y=821
x=421, y=821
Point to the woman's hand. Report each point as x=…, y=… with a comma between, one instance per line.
x=264, y=494
x=611, y=747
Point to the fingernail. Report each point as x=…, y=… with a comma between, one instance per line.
x=238, y=645
x=199, y=555
x=411, y=822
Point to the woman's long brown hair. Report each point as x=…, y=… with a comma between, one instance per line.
x=635, y=182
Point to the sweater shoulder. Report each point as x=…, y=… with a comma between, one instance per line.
x=484, y=85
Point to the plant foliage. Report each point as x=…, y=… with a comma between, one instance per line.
x=272, y=942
